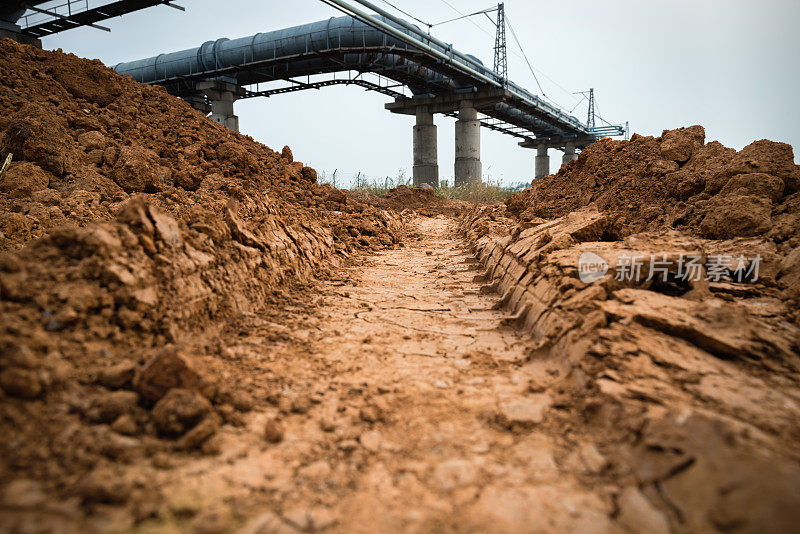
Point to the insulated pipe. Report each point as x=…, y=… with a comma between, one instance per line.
x=525, y=95
x=372, y=21
x=216, y=58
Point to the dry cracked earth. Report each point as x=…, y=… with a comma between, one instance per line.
x=408, y=408
x=400, y=395
x=418, y=388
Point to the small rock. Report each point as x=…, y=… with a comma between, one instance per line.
x=371, y=440
x=104, y=485
x=321, y=518
x=23, y=383
x=206, y=428
x=242, y=401
x=374, y=411
x=23, y=493
x=163, y=372
x=125, y=424
x=756, y=184
x=662, y=166
x=679, y=145
x=179, y=410
x=348, y=445
x=161, y=460
x=117, y=376
x=639, y=514
x=107, y=407
x=273, y=431
x=525, y=412
x=319, y=470
x=19, y=356
x=166, y=227
x=736, y=215
x=593, y=461
x=92, y=140
x=213, y=519
x=212, y=446
x=327, y=424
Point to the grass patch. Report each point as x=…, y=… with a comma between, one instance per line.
x=489, y=191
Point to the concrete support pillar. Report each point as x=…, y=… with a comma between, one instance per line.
x=426, y=166
x=468, y=144
x=569, y=153
x=199, y=103
x=222, y=96
x=542, y=168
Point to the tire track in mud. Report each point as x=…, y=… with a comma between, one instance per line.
x=407, y=407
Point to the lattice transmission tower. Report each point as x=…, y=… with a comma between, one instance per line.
x=590, y=117
x=500, y=52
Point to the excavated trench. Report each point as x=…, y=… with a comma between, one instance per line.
x=199, y=337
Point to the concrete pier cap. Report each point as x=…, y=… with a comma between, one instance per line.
x=222, y=96
x=426, y=166
x=468, y=167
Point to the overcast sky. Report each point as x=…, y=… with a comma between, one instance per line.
x=731, y=65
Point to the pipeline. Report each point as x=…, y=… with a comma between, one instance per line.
x=340, y=44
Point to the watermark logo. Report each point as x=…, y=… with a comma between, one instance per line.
x=591, y=267
x=665, y=267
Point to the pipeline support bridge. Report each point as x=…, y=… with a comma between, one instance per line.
x=440, y=79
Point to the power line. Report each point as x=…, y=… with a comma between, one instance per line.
x=428, y=24
x=566, y=91
x=524, y=55
x=451, y=6
x=487, y=10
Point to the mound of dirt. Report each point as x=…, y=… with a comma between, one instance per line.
x=422, y=200
x=686, y=384
x=84, y=139
x=134, y=233
x=678, y=181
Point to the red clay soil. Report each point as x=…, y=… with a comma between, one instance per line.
x=677, y=181
x=130, y=226
x=422, y=200
x=85, y=139
x=686, y=386
x=198, y=337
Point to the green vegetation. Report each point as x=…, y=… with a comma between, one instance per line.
x=374, y=186
x=477, y=192
x=489, y=191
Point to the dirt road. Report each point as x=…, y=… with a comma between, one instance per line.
x=407, y=407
